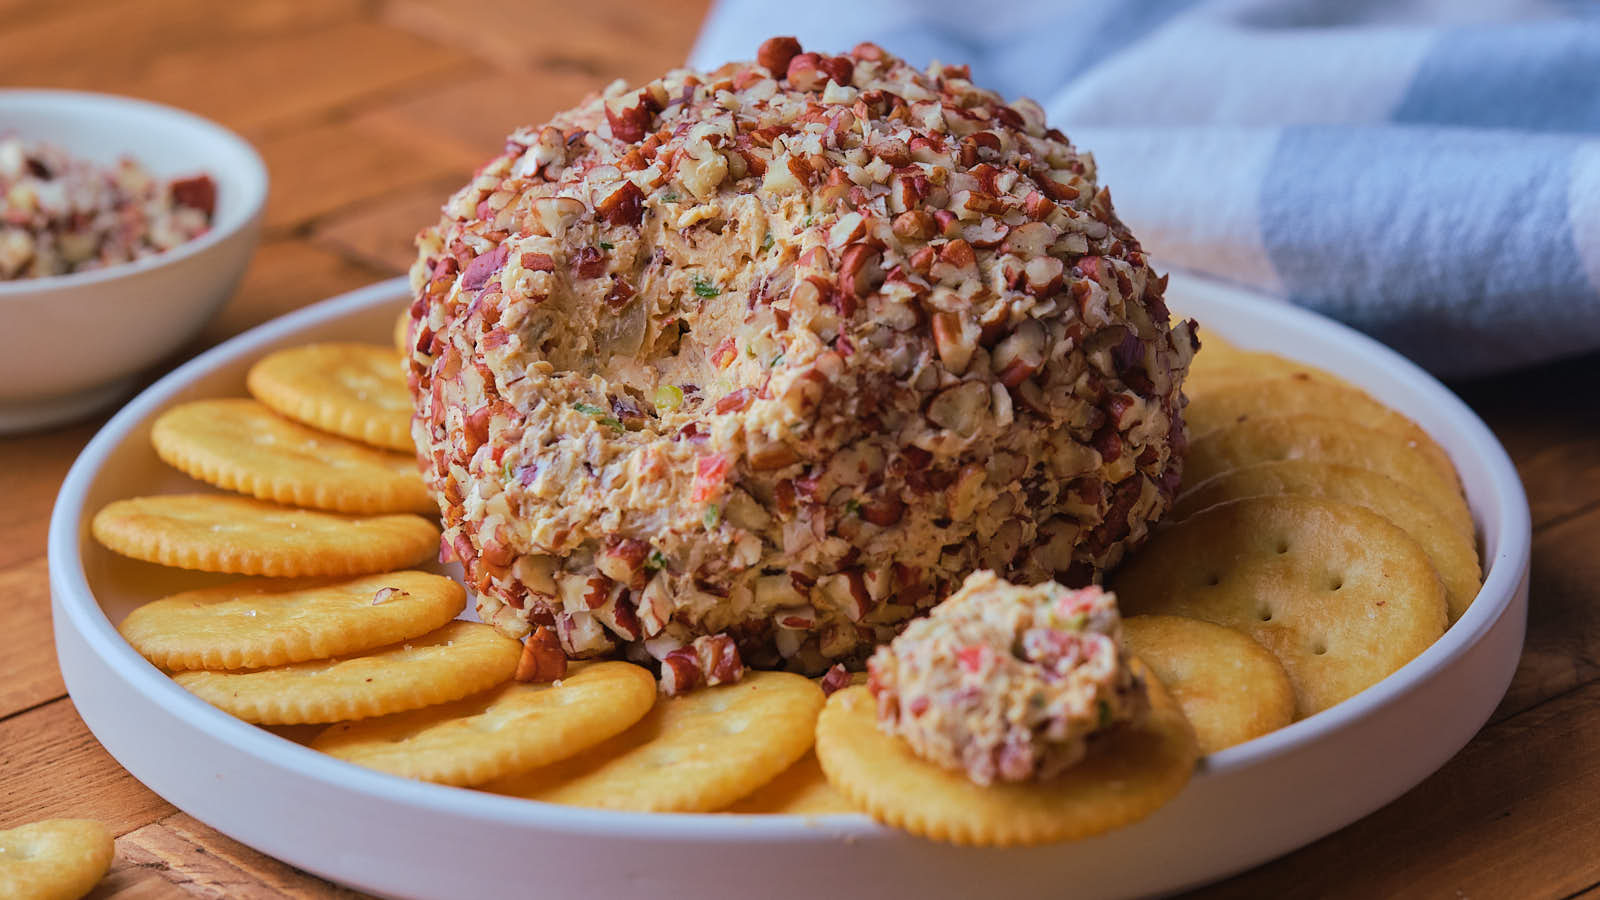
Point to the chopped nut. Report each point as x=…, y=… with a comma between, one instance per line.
x=837, y=678
x=960, y=409
x=776, y=53
x=955, y=340
x=542, y=659
x=384, y=595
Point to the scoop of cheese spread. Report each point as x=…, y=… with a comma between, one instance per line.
x=1007, y=683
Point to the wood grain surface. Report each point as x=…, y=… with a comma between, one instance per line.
x=369, y=112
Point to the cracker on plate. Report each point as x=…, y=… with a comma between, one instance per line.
x=1299, y=393
x=511, y=729
x=697, y=752
x=801, y=790
x=447, y=664
x=256, y=623
x=354, y=390
x=240, y=445
x=1130, y=772
x=1454, y=555
x=219, y=533
x=1340, y=595
x=1321, y=439
x=1230, y=688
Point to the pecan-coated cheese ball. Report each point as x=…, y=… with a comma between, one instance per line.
x=750, y=366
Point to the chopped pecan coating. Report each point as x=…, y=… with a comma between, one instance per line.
x=779, y=353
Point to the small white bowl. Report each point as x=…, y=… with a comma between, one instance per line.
x=76, y=343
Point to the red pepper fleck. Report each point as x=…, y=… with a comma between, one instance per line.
x=972, y=657
x=709, y=473
x=725, y=354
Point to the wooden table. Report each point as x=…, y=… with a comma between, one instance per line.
x=369, y=112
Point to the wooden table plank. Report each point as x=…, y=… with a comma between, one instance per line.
x=31, y=469
x=1512, y=815
x=59, y=44
x=179, y=854
x=1562, y=650
x=381, y=234
x=1549, y=422
x=340, y=165
x=310, y=67
x=51, y=767
x=28, y=672
x=601, y=39
x=468, y=120
x=284, y=276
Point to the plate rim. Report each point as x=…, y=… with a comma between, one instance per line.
x=72, y=595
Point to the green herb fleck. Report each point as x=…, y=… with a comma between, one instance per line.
x=775, y=360
x=656, y=560
x=750, y=351
x=669, y=197
x=599, y=415
x=852, y=507
x=607, y=245
x=1105, y=714
x=511, y=471
x=669, y=396
x=810, y=219
x=713, y=516
x=766, y=242
x=705, y=288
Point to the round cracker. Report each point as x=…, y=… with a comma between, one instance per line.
x=1299, y=393
x=506, y=731
x=1322, y=439
x=57, y=859
x=251, y=624
x=240, y=445
x=1130, y=772
x=694, y=753
x=217, y=533
x=446, y=664
x=1219, y=363
x=401, y=332
x=801, y=790
x=1230, y=688
x=1453, y=555
x=354, y=390
x=1341, y=596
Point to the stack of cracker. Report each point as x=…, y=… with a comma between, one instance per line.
x=344, y=636
x=1324, y=525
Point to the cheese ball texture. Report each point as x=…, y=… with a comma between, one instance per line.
x=1005, y=682
x=753, y=366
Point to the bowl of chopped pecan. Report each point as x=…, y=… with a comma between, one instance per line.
x=124, y=225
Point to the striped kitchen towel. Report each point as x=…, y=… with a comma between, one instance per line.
x=1425, y=170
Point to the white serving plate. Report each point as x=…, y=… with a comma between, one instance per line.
x=402, y=838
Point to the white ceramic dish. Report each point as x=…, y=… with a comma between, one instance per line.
x=76, y=343
x=403, y=838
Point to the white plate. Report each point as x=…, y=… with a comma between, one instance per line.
x=384, y=834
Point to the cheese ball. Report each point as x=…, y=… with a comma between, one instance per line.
x=749, y=367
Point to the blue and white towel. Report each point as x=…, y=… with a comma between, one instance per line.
x=1426, y=170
